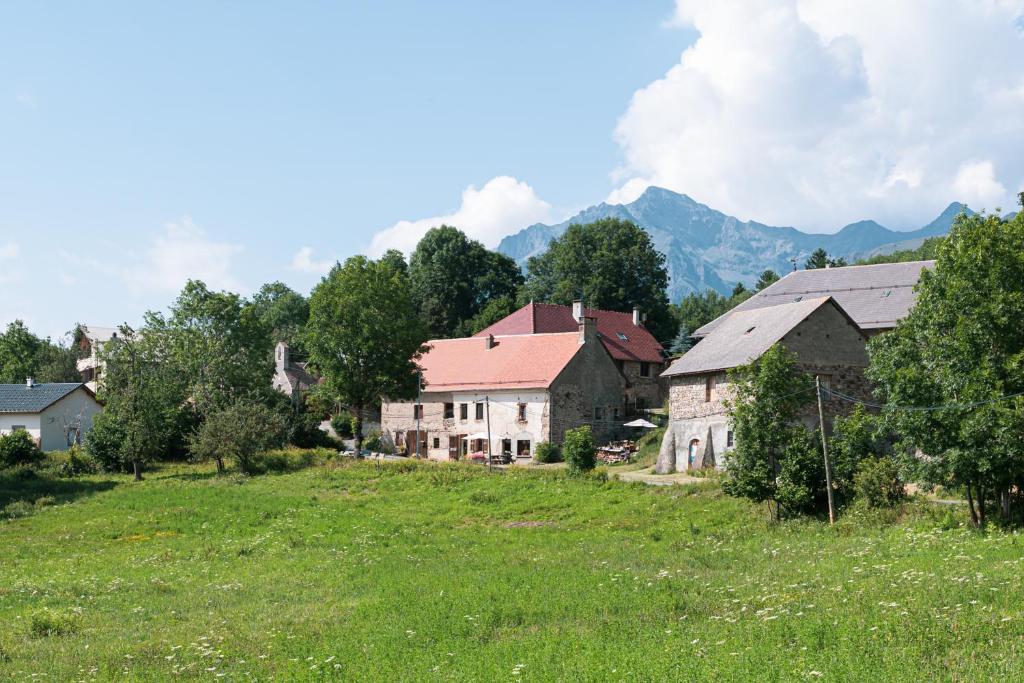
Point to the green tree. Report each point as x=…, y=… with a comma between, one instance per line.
x=611, y=264
x=765, y=279
x=773, y=461
x=238, y=432
x=217, y=345
x=962, y=343
x=283, y=311
x=579, y=450
x=19, y=353
x=364, y=335
x=739, y=290
x=819, y=258
x=453, y=278
x=682, y=342
x=492, y=312
x=142, y=400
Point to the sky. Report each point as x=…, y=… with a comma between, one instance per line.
x=242, y=143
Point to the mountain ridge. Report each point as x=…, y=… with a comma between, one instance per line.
x=707, y=249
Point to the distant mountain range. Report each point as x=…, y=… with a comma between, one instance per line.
x=706, y=249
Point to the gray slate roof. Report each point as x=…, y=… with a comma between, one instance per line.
x=19, y=398
x=744, y=336
x=876, y=297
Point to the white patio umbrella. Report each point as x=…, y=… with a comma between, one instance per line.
x=641, y=423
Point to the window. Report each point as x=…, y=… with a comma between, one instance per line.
x=506, y=446
x=479, y=411
x=598, y=415
x=521, y=412
x=615, y=413
x=17, y=428
x=523, y=448
x=463, y=411
x=645, y=369
x=730, y=439
x=437, y=442
x=622, y=336
x=417, y=411
x=709, y=388
x=449, y=411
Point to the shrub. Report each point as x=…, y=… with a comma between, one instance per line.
x=877, y=483
x=288, y=460
x=579, y=450
x=376, y=443
x=344, y=424
x=78, y=462
x=48, y=622
x=547, y=452
x=103, y=443
x=238, y=432
x=18, y=448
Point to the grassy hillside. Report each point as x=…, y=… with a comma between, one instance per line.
x=447, y=573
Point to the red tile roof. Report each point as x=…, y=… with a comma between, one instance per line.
x=514, y=362
x=639, y=344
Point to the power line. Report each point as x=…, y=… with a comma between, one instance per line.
x=922, y=409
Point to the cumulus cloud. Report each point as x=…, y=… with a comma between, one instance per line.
x=183, y=252
x=303, y=262
x=503, y=205
x=817, y=113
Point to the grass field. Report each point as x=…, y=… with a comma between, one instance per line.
x=427, y=572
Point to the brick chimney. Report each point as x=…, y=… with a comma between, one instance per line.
x=588, y=330
x=490, y=341
x=636, y=316
x=577, y=310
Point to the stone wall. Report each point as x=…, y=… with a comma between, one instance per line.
x=590, y=380
x=645, y=388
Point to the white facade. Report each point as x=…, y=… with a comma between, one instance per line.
x=59, y=425
x=508, y=432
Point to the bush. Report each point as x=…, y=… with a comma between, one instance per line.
x=239, y=432
x=103, y=443
x=19, y=448
x=579, y=450
x=289, y=460
x=376, y=443
x=48, y=622
x=344, y=424
x=547, y=452
x=78, y=462
x=877, y=483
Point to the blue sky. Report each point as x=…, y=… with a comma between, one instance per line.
x=249, y=142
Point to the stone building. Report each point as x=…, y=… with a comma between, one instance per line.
x=506, y=394
x=823, y=316
x=637, y=354
x=291, y=377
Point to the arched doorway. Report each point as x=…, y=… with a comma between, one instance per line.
x=694, y=445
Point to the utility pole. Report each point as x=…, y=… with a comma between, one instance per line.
x=418, y=410
x=487, y=408
x=824, y=449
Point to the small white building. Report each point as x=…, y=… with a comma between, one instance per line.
x=57, y=416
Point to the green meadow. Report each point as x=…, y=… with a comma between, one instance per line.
x=420, y=572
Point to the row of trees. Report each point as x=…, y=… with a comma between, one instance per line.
x=23, y=354
x=949, y=378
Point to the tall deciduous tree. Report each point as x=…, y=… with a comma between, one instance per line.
x=365, y=335
x=610, y=264
x=775, y=459
x=217, y=344
x=283, y=311
x=142, y=399
x=23, y=355
x=963, y=343
x=454, y=278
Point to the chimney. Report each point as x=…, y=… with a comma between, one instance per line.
x=282, y=357
x=490, y=341
x=29, y=382
x=636, y=316
x=577, y=310
x=588, y=330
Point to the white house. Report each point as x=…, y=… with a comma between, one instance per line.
x=55, y=415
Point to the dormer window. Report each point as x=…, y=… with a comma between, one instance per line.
x=622, y=336
x=750, y=329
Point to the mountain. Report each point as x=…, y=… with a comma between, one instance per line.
x=707, y=249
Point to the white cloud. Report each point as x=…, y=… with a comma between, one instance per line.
x=502, y=206
x=816, y=113
x=304, y=263
x=183, y=252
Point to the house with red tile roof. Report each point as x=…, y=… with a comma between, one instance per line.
x=504, y=394
x=637, y=354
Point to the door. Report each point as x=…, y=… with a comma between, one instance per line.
x=453, y=447
x=694, y=445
